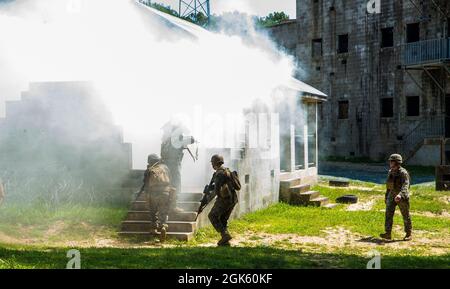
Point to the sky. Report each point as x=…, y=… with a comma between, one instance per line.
x=257, y=7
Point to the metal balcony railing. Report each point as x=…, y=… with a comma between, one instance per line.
x=427, y=51
x=430, y=127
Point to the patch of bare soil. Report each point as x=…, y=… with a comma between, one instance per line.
x=355, y=188
x=361, y=206
x=338, y=238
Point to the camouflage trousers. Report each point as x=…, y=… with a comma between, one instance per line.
x=175, y=179
x=159, y=207
x=220, y=213
x=390, y=211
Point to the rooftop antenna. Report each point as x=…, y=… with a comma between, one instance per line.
x=192, y=9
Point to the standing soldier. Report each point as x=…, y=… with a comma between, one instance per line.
x=397, y=193
x=172, y=153
x=158, y=190
x=226, y=199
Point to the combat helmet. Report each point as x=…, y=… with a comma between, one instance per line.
x=397, y=158
x=217, y=159
x=153, y=158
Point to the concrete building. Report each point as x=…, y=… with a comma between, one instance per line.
x=386, y=75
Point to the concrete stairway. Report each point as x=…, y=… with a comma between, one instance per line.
x=182, y=226
x=292, y=191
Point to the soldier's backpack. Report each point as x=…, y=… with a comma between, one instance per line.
x=234, y=180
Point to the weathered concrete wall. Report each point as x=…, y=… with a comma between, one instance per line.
x=61, y=137
x=367, y=73
x=427, y=155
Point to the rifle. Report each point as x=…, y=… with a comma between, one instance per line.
x=208, y=196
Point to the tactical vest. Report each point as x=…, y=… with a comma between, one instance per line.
x=394, y=182
x=158, y=179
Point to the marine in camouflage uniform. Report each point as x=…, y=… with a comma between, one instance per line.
x=172, y=157
x=225, y=202
x=158, y=190
x=397, y=193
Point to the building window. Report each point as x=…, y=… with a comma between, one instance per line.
x=412, y=32
x=343, y=109
x=412, y=106
x=387, y=107
x=448, y=27
x=317, y=47
x=387, y=37
x=343, y=43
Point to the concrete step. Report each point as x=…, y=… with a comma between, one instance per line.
x=319, y=202
x=300, y=189
x=186, y=216
x=180, y=236
x=304, y=198
x=190, y=197
x=145, y=216
x=139, y=206
x=141, y=197
x=145, y=226
x=189, y=206
x=290, y=183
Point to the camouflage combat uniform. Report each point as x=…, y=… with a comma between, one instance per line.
x=398, y=182
x=225, y=202
x=172, y=157
x=158, y=190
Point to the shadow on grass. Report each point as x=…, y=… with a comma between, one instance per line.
x=189, y=257
x=379, y=241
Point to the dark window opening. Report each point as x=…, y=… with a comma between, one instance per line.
x=387, y=37
x=343, y=109
x=343, y=43
x=448, y=27
x=247, y=179
x=317, y=47
x=412, y=32
x=387, y=107
x=413, y=106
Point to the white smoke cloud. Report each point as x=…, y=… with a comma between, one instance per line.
x=148, y=71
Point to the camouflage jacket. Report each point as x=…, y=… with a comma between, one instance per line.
x=157, y=179
x=222, y=188
x=398, y=182
x=171, y=154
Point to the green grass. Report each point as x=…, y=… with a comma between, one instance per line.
x=81, y=225
x=217, y=258
x=75, y=222
x=308, y=221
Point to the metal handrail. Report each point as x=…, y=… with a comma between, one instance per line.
x=433, y=126
x=426, y=51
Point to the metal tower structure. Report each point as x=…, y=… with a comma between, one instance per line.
x=192, y=9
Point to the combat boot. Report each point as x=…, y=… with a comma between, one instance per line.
x=163, y=233
x=407, y=237
x=226, y=237
x=177, y=210
x=386, y=236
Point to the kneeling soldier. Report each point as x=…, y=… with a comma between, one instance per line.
x=225, y=202
x=397, y=193
x=158, y=191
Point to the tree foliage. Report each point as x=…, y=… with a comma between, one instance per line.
x=271, y=19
